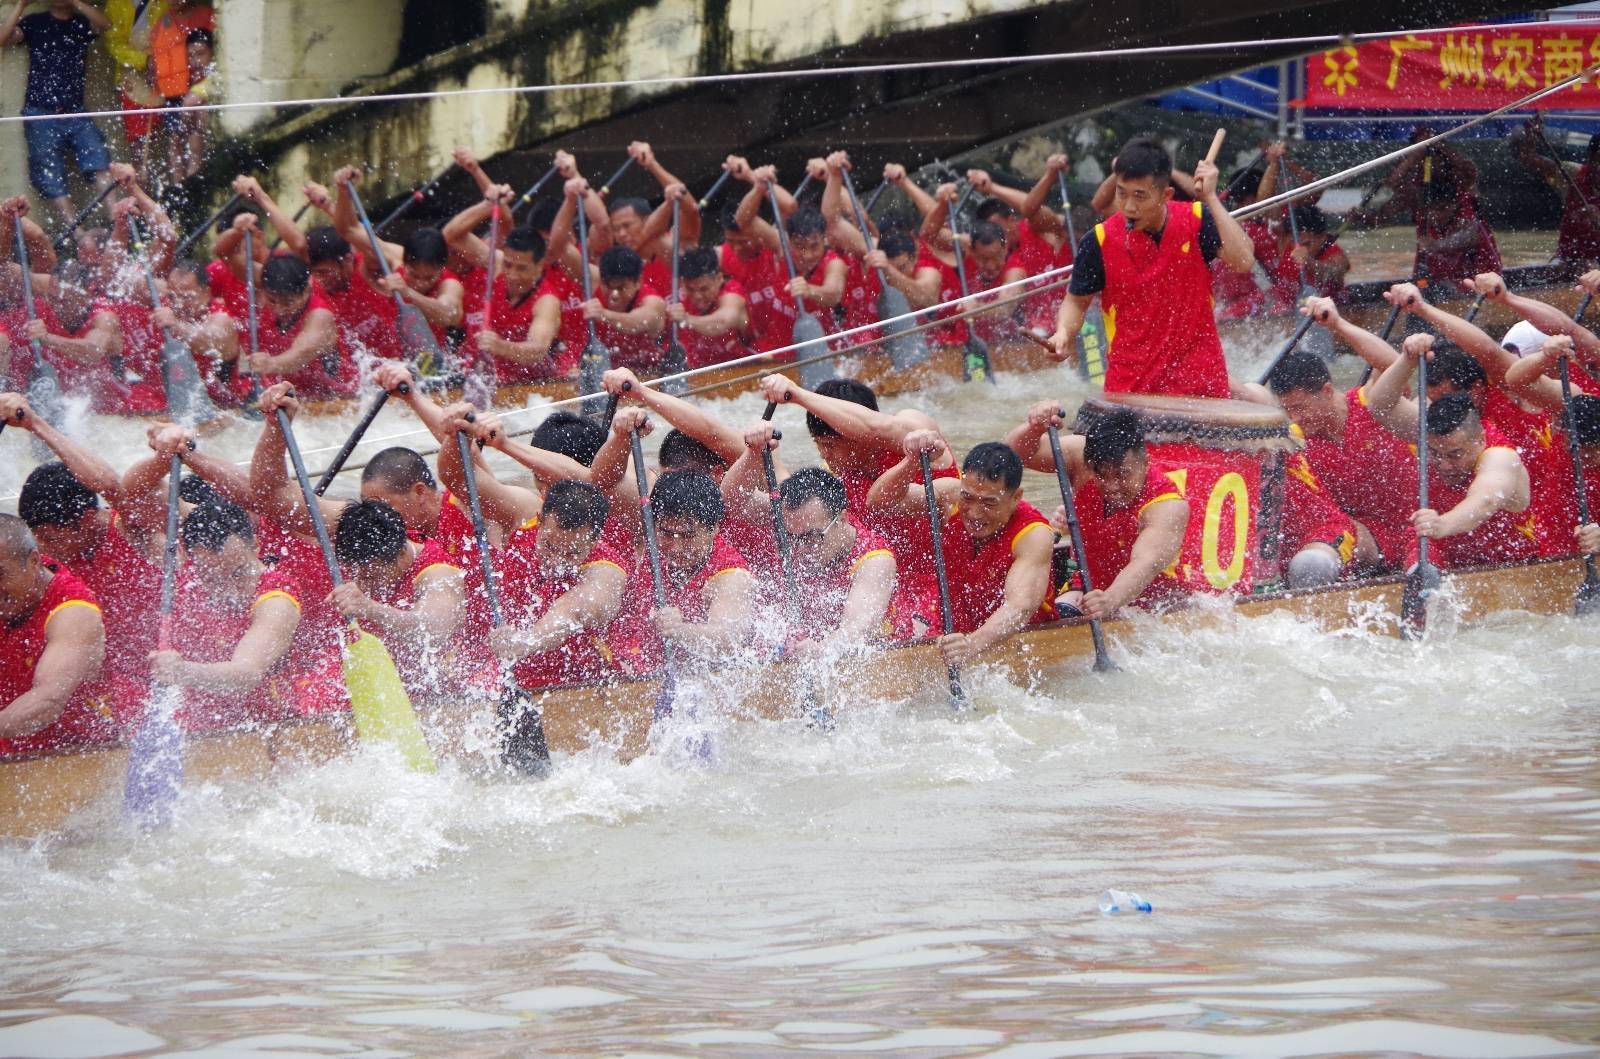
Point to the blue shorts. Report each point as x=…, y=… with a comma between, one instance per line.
x=48, y=143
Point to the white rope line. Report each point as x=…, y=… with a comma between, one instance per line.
x=1309, y=42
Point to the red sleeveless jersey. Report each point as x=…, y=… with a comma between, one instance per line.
x=861, y=292
x=640, y=351
x=702, y=350
x=430, y=671
x=108, y=394
x=781, y=315
x=97, y=710
x=762, y=277
x=1310, y=515
x=366, y=316
x=1506, y=536
x=977, y=570
x=1236, y=294
x=1478, y=255
x=528, y=590
x=822, y=593
x=1157, y=302
x=1109, y=535
x=953, y=333
x=128, y=587
x=574, y=333
x=632, y=638
x=333, y=373
x=1370, y=474
x=229, y=290
x=1555, y=500
x=141, y=354
x=511, y=319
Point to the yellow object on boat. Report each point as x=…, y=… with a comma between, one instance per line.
x=379, y=702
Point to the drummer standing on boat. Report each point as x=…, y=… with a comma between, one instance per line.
x=1150, y=265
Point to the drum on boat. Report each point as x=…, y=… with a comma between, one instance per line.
x=1227, y=459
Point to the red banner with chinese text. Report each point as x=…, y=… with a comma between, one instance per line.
x=1473, y=69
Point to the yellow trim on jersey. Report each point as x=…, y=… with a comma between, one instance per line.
x=1108, y=313
x=1161, y=498
x=727, y=570
x=1302, y=470
x=64, y=604
x=435, y=566
x=1490, y=448
x=868, y=555
x=277, y=592
x=605, y=562
x=532, y=523
x=1199, y=209
x=1100, y=233
x=1029, y=528
x=1361, y=394
x=1346, y=546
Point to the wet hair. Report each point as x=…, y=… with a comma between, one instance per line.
x=698, y=262
x=399, y=469
x=53, y=496
x=196, y=490
x=525, y=240
x=1308, y=217
x=228, y=216
x=1110, y=438
x=193, y=268
x=618, y=262
x=813, y=483
x=1451, y=413
x=426, y=246
x=680, y=452
x=634, y=203
x=543, y=217
x=209, y=527
x=1586, y=418
x=576, y=505
x=844, y=390
x=285, y=274
x=1299, y=371
x=1143, y=157
x=989, y=209
x=1441, y=190
x=995, y=462
x=729, y=217
x=370, y=531
x=571, y=435
x=687, y=494
x=894, y=244
x=805, y=222
x=1454, y=365
x=324, y=243
x=16, y=539
x=988, y=233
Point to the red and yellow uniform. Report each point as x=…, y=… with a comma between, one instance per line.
x=1310, y=515
x=1236, y=294
x=574, y=333
x=640, y=350
x=953, y=333
x=1109, y=536
x=1371, y=476
x=366, y=315
x=511, y=319
x=1555, y=500
x=778, y=328
x=332, y=373
x=908, y=536
x=1157, y=304
x=760, y=277
x=141, y=353
x=860, y=304
x=97, y=710
x=632, y=638
x=449, y=669
x=701, y=350
x=1504, y=537
x=977, y=571
x=306, y=680
x=528, y=590
x=130, y=587
x=108, y=395
x=822, y=594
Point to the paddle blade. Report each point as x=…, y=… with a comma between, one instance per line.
x=976, y=365
x=1586, y=604
x=592, y=366
x=522, y=741
x=44, y=392
x=813, y=342
x=1092, y=345
x=677, y=360
x=1422, y=585
x=155, y=762
x=380, y=704
x=417, y=341
x=907, y=348
x=187, y=400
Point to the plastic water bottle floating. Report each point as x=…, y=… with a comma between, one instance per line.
x=1117, y=902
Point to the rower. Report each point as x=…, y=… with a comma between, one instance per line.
x=411, y=596
x=82, y=337
x=1317, y=258
x=709, y=590
x=629, y=313
x=1475, y=478
x=299, y=335
x=114, y=554
x=1150, y=266
x=190, y=315
x=1534, y=379
x=365, y=313
x=1131, y=512
x=988, y=263
x=1578, y=241
x=52, y=643
x=996, y=545
x=819, y=280
x=649, y=234
x=712, y=313
x=1035, y=234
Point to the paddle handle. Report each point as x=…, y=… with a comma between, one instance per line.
x=1569, y=418
x=169, y=552
x=1288, y=347
x=27, y=285
x=1066, y=211
x=422, y=192
x=673, y=296
x=705, y=200
x=252, y=325
x=780, y=532
x=480, y=533
x=313, y=505
x=1288, y=211
x=610, y=412
x=783, y=234
x=1102, y=659
x=527, y=196
x=1422, y=453
x=1216, y=146
x=65, y=237
x=877, y=193
x=194, y=236
x=372, y=238
x=605, y=189
x=354, y=439
x=647, y=519
x=935, y=530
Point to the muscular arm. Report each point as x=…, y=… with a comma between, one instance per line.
x=1494, y=359
x=459, y=234
x=437, y=616
x=731, y=314
x=273, y=621
x=1501, y=484
x=1161, y=529
x=512, y=506
x=443, y=307
x=75, y=645
x=102, y=340
x=1553, y=321
x=1387, y=402
x=541, y=333
x=318, y=335
x=588, y=606
x=1363, y=343
x=1027, y=585
x=871, y=589
x=730, y=604
x=1528, y=380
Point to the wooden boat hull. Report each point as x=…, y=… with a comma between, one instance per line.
x=39, y=794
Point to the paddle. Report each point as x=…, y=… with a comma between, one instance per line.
x=1299, y=333
x=1102, y=660
x=605, y=189
x=277, y=237
x=906, y=347
x=677, y=358
x=194, y=236
x=808, y=335
x=155, y=755
x=1587, y=599
x=379, y=702
x=1572, y=186
x=705, y=200
x=479, y=385
x=44, y=386
x=417, y=339
x=1423, y=580
x=1092, y=335
x=522, y=740
x=801, y=189
x=779, y=531
x=669, y=684
x=877, y=193
x=1294, y=226
x=595, y=360
x=527, y=196
x=354, y=439
x=65, y=238
x=958, y=694
x=187, y=400
x=253, y=326
x=422, y=192
x=976, y=363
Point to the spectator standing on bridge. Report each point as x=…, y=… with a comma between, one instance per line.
x=58, y=42
x=1150, y=265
